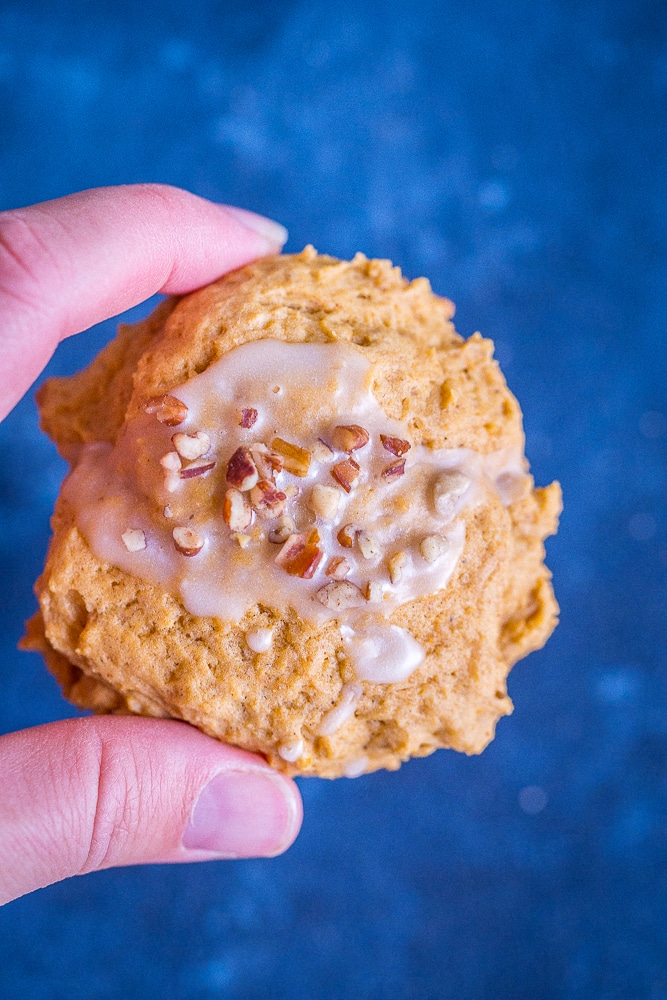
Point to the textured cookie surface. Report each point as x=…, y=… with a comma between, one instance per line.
x=275, y=669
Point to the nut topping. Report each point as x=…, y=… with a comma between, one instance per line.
x=347, y=535
x=338, y=568
x=295, y=460
x=432, y=547
x=281, y=530
x=187, y=541
x=300, y=555
x=397, y=446
x=197, y=468
x=267, y=500
x=395, y=565
x=191, y=446
x=134, y=539
x=236, y=510
x=368, y=545
x=339, y=595
x=324, y=501
x=349, y=437
x=167, y=409
x=346, y=473
x=321, y=451
x=248, y=417
x=171, y=464
x=448, y=488
x=373, y=592
x=268, y=464
x=394, y=471
x=241, y=470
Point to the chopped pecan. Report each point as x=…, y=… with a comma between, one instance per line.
x=300, y=555
x=168, y=409
x=134, y=539
x=187, y=541
x=395, y=565
x=338, y=568
x=448, y=488
x=394, y=471
x=346, y=473
x=236, y=510
x=197, y=468
x=268, y=464
x=281, y=530
x=349, y=437
x=295, y=460
x=241, y=470
x=397, y=446
x=324, y=501
x=347, y=535
x=339, y=595
x=368, y=545
x=191, y=446
x=267, y=500
x=248, y=417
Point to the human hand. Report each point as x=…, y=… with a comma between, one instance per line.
x=93, y=793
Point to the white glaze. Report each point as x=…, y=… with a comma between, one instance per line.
x=260, y=639
x=291, y=751
x=381, y=653
x=355, y=768
x=319, y=387
x=344, y=709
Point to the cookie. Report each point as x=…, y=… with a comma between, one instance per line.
x=299, y=517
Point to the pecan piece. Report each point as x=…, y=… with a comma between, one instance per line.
x=241, y=470
x=248, y=417
x=187, y=541
x=197, y=468
x=300, y=555
x=339, y=595
x=347, y=535
x=349, y=437
x=134, y=539
x=191, y=446
x=397, y=446
x=394, y=471
x=236, y=510
x=346, y=473
x=324, y=501
x=268, y=464
x=267, y=500
x=432, y=547
x=168, y=409
x=337, y=568
x=295, y=460
x=448, y=488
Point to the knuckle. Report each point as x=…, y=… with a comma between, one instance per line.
x=24, y=258
x=116, y=810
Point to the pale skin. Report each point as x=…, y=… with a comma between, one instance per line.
x=93, y=793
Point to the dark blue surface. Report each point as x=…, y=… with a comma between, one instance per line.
x=515, y=153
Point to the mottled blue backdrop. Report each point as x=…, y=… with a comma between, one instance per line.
x=515, y=153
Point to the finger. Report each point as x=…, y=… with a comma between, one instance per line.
x=95, y=793
x=68, y=264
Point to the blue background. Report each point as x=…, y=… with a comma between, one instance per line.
x=515, y=154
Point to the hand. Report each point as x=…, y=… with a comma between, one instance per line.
x=94, y=793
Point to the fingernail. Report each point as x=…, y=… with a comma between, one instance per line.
x=243, y=814
x=270, y=230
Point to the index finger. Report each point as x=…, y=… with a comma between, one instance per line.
x=70, y=263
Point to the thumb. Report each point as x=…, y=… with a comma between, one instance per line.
x=92, y=793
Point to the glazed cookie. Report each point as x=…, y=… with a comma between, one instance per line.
x=300, y=518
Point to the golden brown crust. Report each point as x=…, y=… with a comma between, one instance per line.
x=117, y=643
